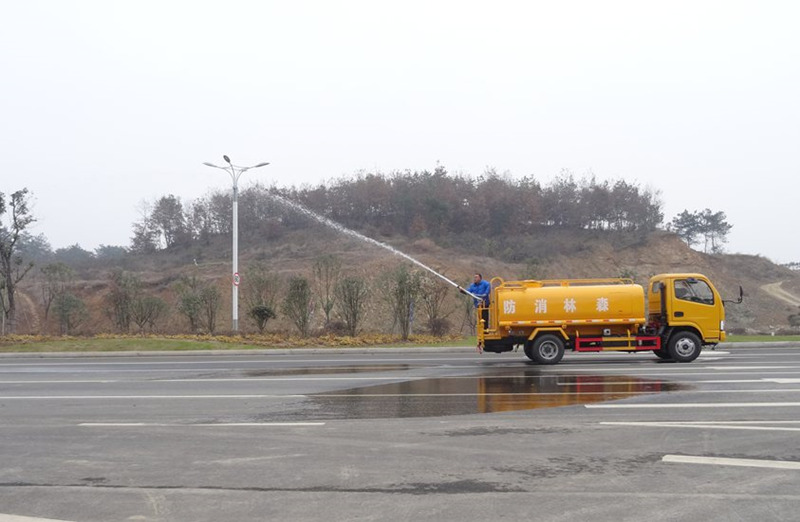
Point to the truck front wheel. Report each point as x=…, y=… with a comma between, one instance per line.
x=684, y=347
x=546, y=349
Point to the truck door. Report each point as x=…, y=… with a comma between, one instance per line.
x=695, y=303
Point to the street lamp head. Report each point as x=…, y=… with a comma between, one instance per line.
x=207, y=164
x=226, y=158
x=260, y=165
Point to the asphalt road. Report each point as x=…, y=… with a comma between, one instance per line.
x=395, y=435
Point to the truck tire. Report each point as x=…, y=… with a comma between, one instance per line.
x=662, y=354
x=528, y=349
x=547, y=349
x=684, y=346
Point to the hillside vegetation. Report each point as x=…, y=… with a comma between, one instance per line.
x=493, y=225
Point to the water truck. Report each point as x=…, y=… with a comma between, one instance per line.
x=681, y=314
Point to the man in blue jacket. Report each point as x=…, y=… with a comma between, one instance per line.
x=481, y=289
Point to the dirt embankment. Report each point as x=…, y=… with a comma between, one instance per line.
x=768, y=303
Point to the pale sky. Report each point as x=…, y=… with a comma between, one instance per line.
x=105, y=104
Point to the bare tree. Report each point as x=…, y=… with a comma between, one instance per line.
x=352, y=294
x=327, y=269
x=123, y=291
x=211, y=300
x=400, y=288
x=13, y=268
x=56, y=278
x=70, y=310
x=147, y=311
x=298, y=304
x=433, y=297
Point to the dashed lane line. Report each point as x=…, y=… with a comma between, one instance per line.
x=18, y=518
x=720, y=461
x=710, y=425
x=202, y=425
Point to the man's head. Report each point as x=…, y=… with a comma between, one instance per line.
x=476, y=278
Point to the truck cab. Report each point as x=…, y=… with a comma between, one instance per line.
x=687, y=312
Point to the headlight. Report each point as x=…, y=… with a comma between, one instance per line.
x=722, y=325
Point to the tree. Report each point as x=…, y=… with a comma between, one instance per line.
x=70, y=311
x=260, y=290
x=327, y=269
x=73, y=255
x=190, y=303
x=352, y=293
x=712, y=226
x=123, y=292
x=298, y=304
x=199, y=301
x=261, y=314
x=715, y=229
x=433, y=294
x=110, y=252
x=211, y=301
x=687, y=226
x=401, y=288
x=147, y=311
x=56, y=277
x=168, y=221
x=13, y=267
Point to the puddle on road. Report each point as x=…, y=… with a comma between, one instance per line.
x=512, y=391
x=330, y=370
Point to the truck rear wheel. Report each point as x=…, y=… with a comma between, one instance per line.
x=546, y=349
x=684, y=346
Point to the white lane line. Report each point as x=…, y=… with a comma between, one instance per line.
x=750, y=367
x=719, y=461
x=65, y=382
x=650, y=373
x=531, y=394
x=697, y=405
x=783, y=381
x=704, y=426
x=138, y=397
x=204, y=425
x=377, y=359
x=19, y=518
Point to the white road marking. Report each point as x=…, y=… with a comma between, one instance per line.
x=205, y=425
x=18, y=518
x=719, y=461
x=750, y=367
x=711, y=425
x=266, y=361
x=650, y=373
x=64, y=382
x=697, y=405
x=137, y=397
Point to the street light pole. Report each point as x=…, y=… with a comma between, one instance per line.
x=235, y=172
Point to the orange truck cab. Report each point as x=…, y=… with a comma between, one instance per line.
x=680, y=314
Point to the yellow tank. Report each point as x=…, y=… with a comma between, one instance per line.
x=594, y=302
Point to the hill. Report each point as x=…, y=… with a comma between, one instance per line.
x=548, y=255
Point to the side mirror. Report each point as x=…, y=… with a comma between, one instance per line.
x=737, y=301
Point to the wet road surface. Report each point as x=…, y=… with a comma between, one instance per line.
x=387, y=434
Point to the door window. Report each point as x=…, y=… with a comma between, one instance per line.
x=694, y=290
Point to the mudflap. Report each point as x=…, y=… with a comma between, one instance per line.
x=497, y=347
